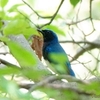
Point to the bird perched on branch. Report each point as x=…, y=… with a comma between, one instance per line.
x=55, y=54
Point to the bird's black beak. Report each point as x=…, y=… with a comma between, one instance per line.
x=39, y=30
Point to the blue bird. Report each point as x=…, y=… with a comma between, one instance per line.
x=54, y=53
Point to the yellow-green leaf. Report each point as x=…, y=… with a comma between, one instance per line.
x=3, y=3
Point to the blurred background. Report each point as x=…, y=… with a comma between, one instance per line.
x=77, y=25
x=74, y=25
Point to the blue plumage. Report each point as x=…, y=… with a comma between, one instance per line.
x=52, y=47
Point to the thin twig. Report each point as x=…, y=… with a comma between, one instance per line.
x=35, y=11
x=90, y=15
x=72, y=23
x=53, y=15
x=92, y=45
x=81, y=51
x=95, y=43
x=82, y=64
x=78, y=10
x=4, y=53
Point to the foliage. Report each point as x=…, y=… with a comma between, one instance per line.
x=74, y=2
x=20, y=23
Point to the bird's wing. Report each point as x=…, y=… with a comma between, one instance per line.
x=56, y=50
x=57, y=56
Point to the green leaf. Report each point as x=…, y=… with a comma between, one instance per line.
x=50, y=92
x=3, y=3
x=2, y=14
x=4, y=39
x=27, y=32
x=16, y=26
x=7, y=70
x=55, y=29
x=33, y=73
x=71, y=95
x=58, y=16
x=19, y=26
x=74, y=2
x=3, y=84
x=10, y=88
x=24, y=57
x=1, y=24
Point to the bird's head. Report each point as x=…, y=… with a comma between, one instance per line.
x=48, y=35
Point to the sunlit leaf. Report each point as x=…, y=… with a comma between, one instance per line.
x=24, y=57
x=27, y=32
x=16, y=26
x=19, y=26
x=70, y=95
x=93, y=86
x=49, y=93
x=74, y=2
x=55, y=29
x=4, y=39
x=6, y=71
x=3, y=3
x=3, y=84
x=58, y=16
x=10, y=88
x=1, y=24
x=34, y=74
x=2, y=14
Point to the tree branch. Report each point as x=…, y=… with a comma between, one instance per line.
x=49, y=82
x=91, y=45
x=53, y=15
x=72, y=23
x=8, y=63
x=53, y=78
x=95, y=43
